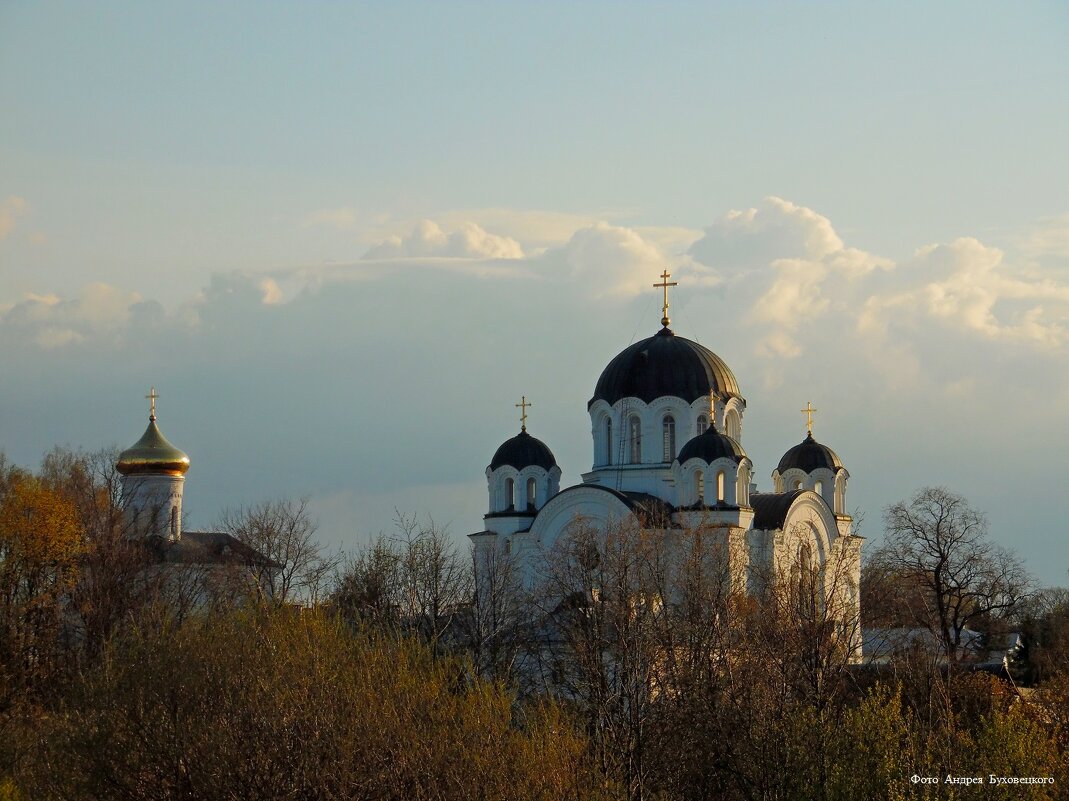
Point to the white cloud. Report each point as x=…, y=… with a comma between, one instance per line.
x=776, y=229
x=972, y=289
x=11, y=207
x=428, y=239
x=608, y=260
x=49, y=321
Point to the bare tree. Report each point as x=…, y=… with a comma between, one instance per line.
x=368, y=590
x=284, y=530
x=940, y=545
x=496, y=625
x=435, y=579
x=416, y=581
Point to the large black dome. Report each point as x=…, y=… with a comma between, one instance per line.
x=664, y=365
x=710, y=446
x=522, y=451
x=808, y=456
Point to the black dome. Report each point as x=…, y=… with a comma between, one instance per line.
x=663, y=365
x=808, y=456
x=710, y=446
x=522, y=451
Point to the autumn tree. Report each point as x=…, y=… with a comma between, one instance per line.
x=275, y=704
x=40, y=546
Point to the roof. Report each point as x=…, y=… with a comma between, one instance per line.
x=710, y=446
x=661, y=365
x=210, y=548
x=522, y=451
x=808, y=456
x=152, y=454
x=770, y=508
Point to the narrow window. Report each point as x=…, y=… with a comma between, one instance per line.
x=818, y=488
x=608, y=440
x=720, y=486
x=668, y=429
x=174, y=521
x=699, y=485
x=635, y=435
x=703, y=424
x=733, y=424
x=510, y=493
x=532, y=489
x=797, y=485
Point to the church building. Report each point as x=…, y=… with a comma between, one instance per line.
x=206, y=562
x=666, y=423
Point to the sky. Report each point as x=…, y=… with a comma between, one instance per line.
x=342, y=240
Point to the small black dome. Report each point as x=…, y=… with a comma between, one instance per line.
x=664, y=365
x=522, y=451
x=710, y=446
x=808, y=456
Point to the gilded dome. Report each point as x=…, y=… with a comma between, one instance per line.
x=152, y=454
x=664, y=365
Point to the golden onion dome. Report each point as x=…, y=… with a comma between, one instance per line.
x=152, y=454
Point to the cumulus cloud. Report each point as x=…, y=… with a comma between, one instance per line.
x=49, y=321
x=775, y=229
x=428, y=239
x=788, y=264
x=968, y=286
x=11, y=207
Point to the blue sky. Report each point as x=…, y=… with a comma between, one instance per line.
x=342, y=240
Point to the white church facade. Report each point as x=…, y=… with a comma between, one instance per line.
x=666, y=422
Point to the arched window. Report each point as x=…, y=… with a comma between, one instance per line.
x=797, y=485
x=174, y=521
x=510, y=493
x=532, y=489
x=720, y=485
x=703, y=424
x=733, y=424
x=818, y=488
x=634, y=435
x=699, y=485
x=608, y=440
x=668, y=431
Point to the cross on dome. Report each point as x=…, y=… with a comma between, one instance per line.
x=151, y=397
x=522, y=405
x=808, y=412
x=665, y=283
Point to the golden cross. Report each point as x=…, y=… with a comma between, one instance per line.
x=712, y=408
x=152, y=395
x=665, y=283
x=808, y=412
x=522, y=405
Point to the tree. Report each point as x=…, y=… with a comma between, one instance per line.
x=284, y=531
x=40, y=547
x=271, y=704
x=416, y=581
x=939, y=544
